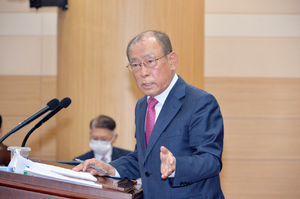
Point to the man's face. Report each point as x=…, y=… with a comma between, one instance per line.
x=100, y=134
x=152, y=82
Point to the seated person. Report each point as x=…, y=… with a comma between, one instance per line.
x=102, y=137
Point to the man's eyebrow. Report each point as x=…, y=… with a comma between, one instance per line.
x=132, y=59
x=143, y=57
x=148, y=55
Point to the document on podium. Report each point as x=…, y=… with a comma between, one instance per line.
x=68, y=172
x=25, y=166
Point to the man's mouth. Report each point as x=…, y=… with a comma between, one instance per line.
x=147, y=85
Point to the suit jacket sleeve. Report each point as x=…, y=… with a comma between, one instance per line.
x=206, y=142
x=127, y=166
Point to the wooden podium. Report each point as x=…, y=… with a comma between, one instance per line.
x=13, y=185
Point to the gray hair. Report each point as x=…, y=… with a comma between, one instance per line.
x=161, y=37
x=105, y=122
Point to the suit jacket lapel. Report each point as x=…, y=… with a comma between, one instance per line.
x=168, y=112
x=141, y=124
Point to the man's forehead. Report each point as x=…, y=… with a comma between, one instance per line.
x=142, y=50
x=100, y=130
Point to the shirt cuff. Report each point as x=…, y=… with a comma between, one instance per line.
x=117, y=175
x=172, y=174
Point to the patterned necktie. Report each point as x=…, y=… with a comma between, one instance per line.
x=150, y=119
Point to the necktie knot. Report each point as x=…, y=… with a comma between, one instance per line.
x=152, y=102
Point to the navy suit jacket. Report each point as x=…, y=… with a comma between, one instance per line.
x=190, y=125
x=116, y=153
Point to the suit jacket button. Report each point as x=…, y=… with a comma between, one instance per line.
x=147, y=174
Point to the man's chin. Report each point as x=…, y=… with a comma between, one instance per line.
x=148, y=93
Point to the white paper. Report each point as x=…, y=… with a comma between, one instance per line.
x=68, y=172
x=21, y=165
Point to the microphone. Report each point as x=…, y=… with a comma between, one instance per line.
x=64, y=103
x=51, y=105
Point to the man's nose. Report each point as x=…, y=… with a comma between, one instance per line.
x=144, y=71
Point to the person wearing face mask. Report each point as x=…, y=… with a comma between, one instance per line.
x=102, y=137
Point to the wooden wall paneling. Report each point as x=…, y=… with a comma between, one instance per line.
x=20, y=54
x=261, y=179
x=48, y=130
x=267, y=139
x=253, y=6
x=16, y=139
x=48, y=133
x=256, y=97
x=261, y=138
x=21, y=97
x=48, y=88
x=252, y=57
x=183, y=21
x=92, y=40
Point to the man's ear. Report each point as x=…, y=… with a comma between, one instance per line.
x=115, y=138
x=173, y=58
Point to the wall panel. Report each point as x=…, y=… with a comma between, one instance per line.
x=253, y=6
x=18, y=95
x=252, y=57
x=256, y=97
x=260, y=179
x=21, y=97
x=261, y=139
x=249, y=25
x=20, y=55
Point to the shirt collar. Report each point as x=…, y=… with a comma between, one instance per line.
x=161, y=98
x=108, y=155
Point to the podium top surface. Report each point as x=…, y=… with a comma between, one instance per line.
x=27, y=184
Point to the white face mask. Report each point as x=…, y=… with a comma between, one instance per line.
x=100, y=147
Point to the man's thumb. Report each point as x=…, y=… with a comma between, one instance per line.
x=163, y=149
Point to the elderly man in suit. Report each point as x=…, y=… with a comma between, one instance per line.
x=179, y=156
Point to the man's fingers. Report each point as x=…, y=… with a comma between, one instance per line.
x=164, y=150
x=78, y=167
x=85, y=165
x=171, y=161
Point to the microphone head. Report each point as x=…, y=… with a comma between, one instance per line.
x=65, y=102
x=53, y=104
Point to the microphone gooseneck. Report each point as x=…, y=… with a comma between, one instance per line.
x=51, y=105
x=64, y=103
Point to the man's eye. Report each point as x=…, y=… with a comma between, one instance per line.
x=150, y=61
x=134, y=65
